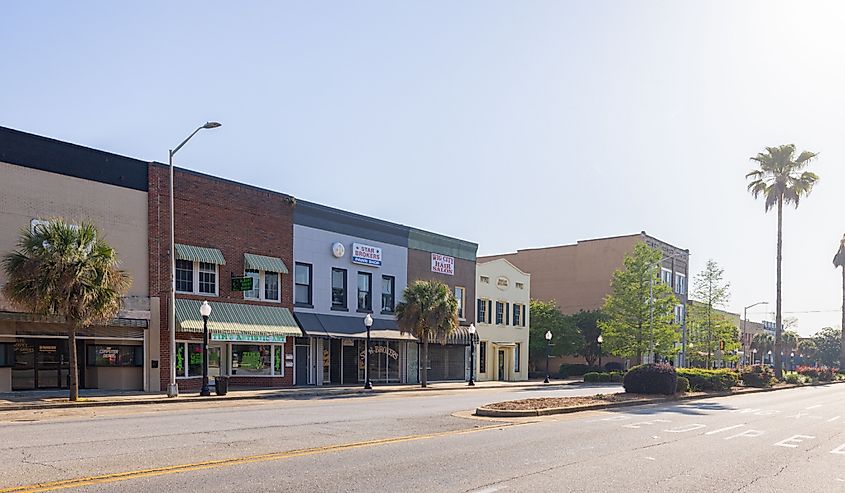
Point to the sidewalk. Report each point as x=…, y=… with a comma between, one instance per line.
x=54, y=399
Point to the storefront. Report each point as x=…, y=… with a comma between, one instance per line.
x=251, y=344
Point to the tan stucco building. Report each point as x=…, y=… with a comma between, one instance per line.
x=40, y=179
x=502, y=322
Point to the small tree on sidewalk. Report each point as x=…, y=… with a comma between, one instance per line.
x=709, y=326
x=66, y=271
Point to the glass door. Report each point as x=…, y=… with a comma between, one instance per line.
x=216, y=357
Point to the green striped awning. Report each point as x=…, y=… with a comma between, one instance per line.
x=237, y=319
x=199, y=254
x=261, y=262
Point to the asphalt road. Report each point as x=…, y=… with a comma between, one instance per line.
x=791, y=440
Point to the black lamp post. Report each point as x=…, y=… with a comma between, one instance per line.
x=205, y=311
x=471, y=354
x=599, y=340
x=368, y=322
x=548, y=349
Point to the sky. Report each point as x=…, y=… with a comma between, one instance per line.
x=510, y=124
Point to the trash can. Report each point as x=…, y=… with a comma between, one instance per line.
x=221, y=385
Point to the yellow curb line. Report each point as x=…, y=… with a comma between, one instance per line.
x=197, y=466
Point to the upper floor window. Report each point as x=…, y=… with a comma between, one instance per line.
x=459, y=297
x=339, y=288
x=520, y=285
x=517, y=314
x=481, y=311
x=666, y=276
x=388, y=296
x=265, y=285
x=485, y=279
x=679, y=314
x=302, y=284
x=365, y=291
x=680, y=284
x=500, y=313
x=196, y=277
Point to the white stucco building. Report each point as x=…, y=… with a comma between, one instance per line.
x=503, y=293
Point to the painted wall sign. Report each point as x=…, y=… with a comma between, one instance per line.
x=442, y=264
x=247, y=337
x=390, y=352
x=502, y=283
x=366, y=255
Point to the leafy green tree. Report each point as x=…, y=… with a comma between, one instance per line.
x=807, y=349
x=706, y=332
x=66, y=271
x=640, y=308
x=546, y=316
x=429, y=312
x=707, y=325
x=781, y=179
x=587, y=323
x=828, y=345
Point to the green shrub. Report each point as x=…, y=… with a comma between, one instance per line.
x=757, y=376
x=570, y=369
x=713, y=380
x=616, y=376
x=651, y=379
x=592, y=377
x=682, y=385
x=794, y=379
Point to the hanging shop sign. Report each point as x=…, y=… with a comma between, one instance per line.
x=241, y=283
x=246, y=337
x=442, y=264
x=366, y=255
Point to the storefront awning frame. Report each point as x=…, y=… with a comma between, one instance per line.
x=237, y=318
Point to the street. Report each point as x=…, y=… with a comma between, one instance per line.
x=776, y=441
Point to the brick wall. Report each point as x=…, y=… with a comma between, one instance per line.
x=419, y=267
x=216, y=213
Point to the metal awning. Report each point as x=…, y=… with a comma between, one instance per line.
x=199, y=254
x=343, y=327
x=458, y=336
x=237, y=319
x=262, y=262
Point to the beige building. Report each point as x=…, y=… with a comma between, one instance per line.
x=502, y=321
x=40, y=179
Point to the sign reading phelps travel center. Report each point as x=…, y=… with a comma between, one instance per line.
x=366, y=255
x=442, y=264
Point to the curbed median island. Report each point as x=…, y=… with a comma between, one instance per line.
x=541, y=406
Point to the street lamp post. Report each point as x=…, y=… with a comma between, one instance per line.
x=548, y=349
x=205, y=311
x=368, y=322
x=173, y=388
x=471, y=354
x=753, y=355
x=770, y=356
x=600, y=340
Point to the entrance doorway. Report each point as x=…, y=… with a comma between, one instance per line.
x=41, y=364
x=216, y=361
x=301, y=353
x=502, y=366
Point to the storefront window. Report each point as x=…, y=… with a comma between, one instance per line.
x=115, y=356
x=253, y=293
x=180, y=359
x=194, y=360
x=6, y=354
x=251, y=359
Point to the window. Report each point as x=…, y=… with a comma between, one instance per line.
x=489, y=312
x=7, y=354
x=481, y=311
x=204, y=273
x=523, y=315
x=302, y=280
x=339, y=289
x=679, y=314
x=388, y=297
x=520, y=285
x=194, y=360
x=184, y=276
x=114, y=356
x=271, y=286
x=246, y=360
x=365, y=291
x=208, y=278
x=517, y=312
x=680, y=284
x=255, y=292
x=485, y=279
x=459, y=297
x=666, y=276
x=482, y=357
x=252, y=360
x=500, y=313
x=516, y=357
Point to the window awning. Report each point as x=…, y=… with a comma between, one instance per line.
x=343, y=327
x=261, y=262
x=236, y=320
x=199, y=254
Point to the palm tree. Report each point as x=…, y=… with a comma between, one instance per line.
x=839, y=261
x=65, y=271
x=763, y=343
x=808, y=350
x=429, y=312
x=781, y=179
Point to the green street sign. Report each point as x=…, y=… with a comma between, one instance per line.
x=242, y=283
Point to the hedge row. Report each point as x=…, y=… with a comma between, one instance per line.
x=703, y=380
x=651, y=379
x=603, y=377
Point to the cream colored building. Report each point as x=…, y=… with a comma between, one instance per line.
x=502, y=321
x=40, y=179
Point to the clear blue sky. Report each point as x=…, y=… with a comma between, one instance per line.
x=511, y=124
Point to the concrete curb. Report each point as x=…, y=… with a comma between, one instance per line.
x=527, y=413
x=288, y=394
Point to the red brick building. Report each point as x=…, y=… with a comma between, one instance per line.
x=223, y=230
